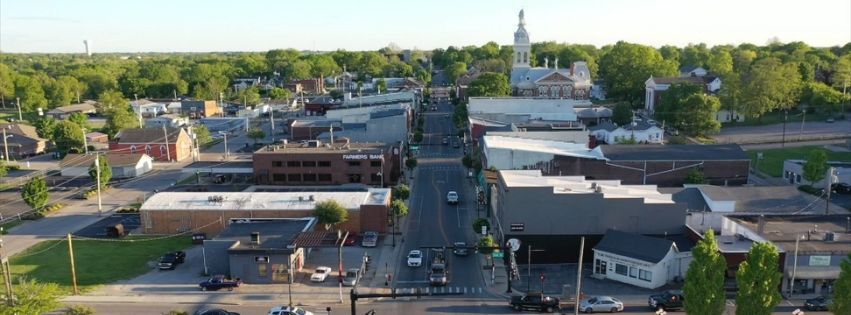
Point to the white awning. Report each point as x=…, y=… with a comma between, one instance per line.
x=814, y=272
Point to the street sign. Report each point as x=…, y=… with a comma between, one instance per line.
x=415, y=147
x=498, y=254
x=514, y=244
x=484, y=230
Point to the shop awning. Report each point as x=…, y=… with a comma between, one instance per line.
x=814, y=272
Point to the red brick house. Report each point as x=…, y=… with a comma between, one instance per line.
x=152, y=141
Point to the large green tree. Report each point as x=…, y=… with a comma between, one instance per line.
x=622, y=114
x=330, y=213
x=489, y=84
x=105, y=172
x=35, y=193
x=7, y=84
x=758, y=279
x=46, y=127
x=697, y=115
x=704, y=282
x=280, y=94
x=842, y=289
x=31, y=94
x=68, y=137
x=627, y=66
x=256, y=134
x=202, y=134
x=110, y=100
x=80, y=119
x=816, y=167
x=455, y=71
x=770, y=85
x=401, y=192
x=34, y=298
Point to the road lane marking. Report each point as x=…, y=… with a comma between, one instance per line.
x=412, y=281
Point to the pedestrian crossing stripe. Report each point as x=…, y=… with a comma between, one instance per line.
x=434, y=290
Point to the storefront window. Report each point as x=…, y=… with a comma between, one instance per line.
x=280, y=273
x=620, y=269
x=262, y=270
x=633, y=272
x=645, y=275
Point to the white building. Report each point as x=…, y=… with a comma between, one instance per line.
x=148, y=108
x=655, y=87
x=693, y=71
x=123, y=165
x=168, y=120
x=793, y=173
x=514, y=153
x=533, y=108
x=639, y=260
x=641, y=132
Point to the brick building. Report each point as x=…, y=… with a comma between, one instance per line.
x=211, y=213
x=317, y=163
x=153, y=142
x=199, y=109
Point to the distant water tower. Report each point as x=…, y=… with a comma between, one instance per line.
x=88, y=49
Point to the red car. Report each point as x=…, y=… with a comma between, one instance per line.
x=351, y=240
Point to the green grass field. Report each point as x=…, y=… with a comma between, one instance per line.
x=772, y=162
x=776, y=117
x=98, y=262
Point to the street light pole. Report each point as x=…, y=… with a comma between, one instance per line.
x=85, y=142
x=785, y=118
x=167, y=149
x=225, y=134
x=6, y=144
x=7, y=274
x=97, y=175
x=18, y=102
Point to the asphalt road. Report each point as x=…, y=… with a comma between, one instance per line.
x=432, y=222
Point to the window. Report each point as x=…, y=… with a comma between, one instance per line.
x=293, y=163
x=148, y=149
x=308, y=164
x=354, y=178
x=518, y=57
x=324, y=164
x=294, y=177
x=262, y=270
x=525, y=57
x=132, y=149
x=279, y=177
x=645, y=275
x=620, y=269
x=277, y=163
x=375, y=163
x=309, y=177
x=324, y=177
x=354, y=163
x=280, y=273
x=162, y=150
x=797, y=178
x=633, y=272
x=375, y=178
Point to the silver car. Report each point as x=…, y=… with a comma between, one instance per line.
x=601, y=304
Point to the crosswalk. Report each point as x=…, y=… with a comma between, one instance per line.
x=440, y=168
x=438, y=155
x=447, y=289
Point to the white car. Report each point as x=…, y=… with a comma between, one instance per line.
x=601, y=304
x=452, y=197
x=415, y=258
x=320, y=274
x=288, y=310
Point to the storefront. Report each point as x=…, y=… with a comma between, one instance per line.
x=642, y=261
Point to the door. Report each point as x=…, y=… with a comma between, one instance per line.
x=600, y=266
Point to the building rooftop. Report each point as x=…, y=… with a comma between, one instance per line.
x=692, y=80
x=114, y=159
x=637, y=246
x=323, y=123
x=274, y=234
x=760, y=199
x=259, y=201
x=148, y=135
x=341, y=145
x=559, y=148
x=810, y=229
x=687, y=152
x=569, y=136
x=86, y=106
x=689, y=196
x=610, y=189
x=19, y=130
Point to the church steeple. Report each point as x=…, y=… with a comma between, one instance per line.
x=522, y=45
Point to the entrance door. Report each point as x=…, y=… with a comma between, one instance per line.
x=600, y=267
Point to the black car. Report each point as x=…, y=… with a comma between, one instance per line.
x=445, y=140
x=841, y=188
x=171, y=260
x=535, y=301
x=818, y=304
x=215, y=311
x=668, y=300
x=460, y=249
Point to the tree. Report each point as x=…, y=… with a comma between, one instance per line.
x=670, y=106
x=486, y=244
x=411, y=163
x=80, y=119
x=842, y=288
x=418, y=136
x=46, y=127
x=330, y=213
x=105, y=172
x=34, y=298
x=68, y=137
x=80, y=310
x=4, y=170
x=490, y=84
x=816, y=167
x=401, y=192
x=110, y=100
x=704, y=282
x=842, y=72
x=280, y=94
x=758, y=279
x=622, y=114
x=697, y=115
x=7, y=83
x=770, y=85
x=119, y=118
x=31, y=93
x=695, y=177
x=35, y=193
x=455, y=70
x=249, y=96
x=202, y=134
x=399, y=208
x=256, y=134
x=479, y=223
x=820, y=95
x=627, y=66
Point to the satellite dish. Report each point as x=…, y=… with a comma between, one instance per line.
x=514, y=244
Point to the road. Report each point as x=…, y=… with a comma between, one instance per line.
x=432, y=222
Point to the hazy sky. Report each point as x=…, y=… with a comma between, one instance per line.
x=247, y=25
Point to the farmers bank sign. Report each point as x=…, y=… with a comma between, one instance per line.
x=362, y=156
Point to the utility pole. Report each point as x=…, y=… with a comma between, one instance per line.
x=225, y=134
x=803, y=119
x=73, y=267
x=6, y=144
x=829, y=187
x=18, y=102
x=272, y=123
x=139, y=110
x=167, y=149
x=7, y=274
x=85, y=142
x=97, y=176
x=785, y=118
x=579, y=276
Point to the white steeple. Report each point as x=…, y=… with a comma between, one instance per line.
x=522, y=45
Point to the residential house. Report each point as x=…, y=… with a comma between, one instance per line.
x=123, y=165
x=97, y=140
x=21, y=141
x=153, y=142
x=148, y=108
x=643, y=261
x=655, y=87
x=693, y=71
x=463, y=83
x=168, y=120
x=636, y=132
x=197, y=109
x=63, y=112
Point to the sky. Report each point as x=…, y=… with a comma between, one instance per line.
x=52, y=26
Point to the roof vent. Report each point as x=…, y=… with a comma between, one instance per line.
x=829, y=237
x=300, y=198
x=594, y=185
x=311, y=197
x=599, y=189
x=255, y=238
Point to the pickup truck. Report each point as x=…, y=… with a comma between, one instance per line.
x=535, y=301
x=219, y=282
x=668, y=300
x=170, y=261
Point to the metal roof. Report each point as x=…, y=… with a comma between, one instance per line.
x=636, y=246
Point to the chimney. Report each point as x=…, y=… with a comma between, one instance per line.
x=761, y=224
x=255, y=238
x=592, y=141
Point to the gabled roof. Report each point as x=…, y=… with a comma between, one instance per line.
x=114, y=159
x=693, y=80
x=25, y=131
x=606, y=125
x=635, y=246
x=82, y=107
x=148, y=135
x=686, y=69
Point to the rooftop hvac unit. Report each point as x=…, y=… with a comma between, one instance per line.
x=255, y=238
x=311, y=197
x=829, y=237
x=598, y=189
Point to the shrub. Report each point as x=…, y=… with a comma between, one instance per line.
x=80, y=310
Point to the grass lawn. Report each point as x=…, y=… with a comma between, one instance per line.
x=776, y=117
x=98, y=262
x=772, y=162
x=8, y=225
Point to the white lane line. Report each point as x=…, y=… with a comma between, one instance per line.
x=412, y=281
x=458, y=214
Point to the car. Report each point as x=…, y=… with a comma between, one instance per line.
x=460, y=249
x=841, y=188
x=433, y=108
x=415, y=258
x=370, y=239
x=535, y=301
x=352, y=277
x=215, y=311
x=288, y=310
x=452, y=197
x=351, y=240
x=668, y=300
x=445, y=140
x=219, y=282
x=601, y=304
x=320, y=274
x=830, y=120
x=170, y=261
x=821, y=303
